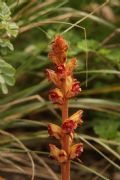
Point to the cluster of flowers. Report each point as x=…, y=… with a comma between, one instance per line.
x=66, y=87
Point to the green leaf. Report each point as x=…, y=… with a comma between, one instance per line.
x=7, y=73
x=104, y=51
x=4, y=43
x=88, y=45
x=106, y=128
x=2, y=79
x=8, y=70
x=12, y=29
x=4, y=88
x=4, y=11
x=9, y=80
x=113, y=55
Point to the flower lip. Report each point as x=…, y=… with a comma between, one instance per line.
x=59, y=154
x=56, y=96
x=62, y=156
x=68, y=126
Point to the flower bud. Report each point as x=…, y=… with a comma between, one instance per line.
x=76, y=150
x=59, y=49
x=59, y=44
x=53, y=77
x=54, y=131
x=56, y=96
x=59, y=154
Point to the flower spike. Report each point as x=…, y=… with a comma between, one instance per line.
x=66, y=87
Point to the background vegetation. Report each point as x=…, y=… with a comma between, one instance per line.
x=27, y=28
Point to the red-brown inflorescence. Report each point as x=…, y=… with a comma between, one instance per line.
x=66, y=87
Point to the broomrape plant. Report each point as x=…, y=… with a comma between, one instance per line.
x=66, y=87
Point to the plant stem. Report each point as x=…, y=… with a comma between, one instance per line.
x=65, y=168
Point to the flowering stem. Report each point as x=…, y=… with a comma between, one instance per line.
x=65, y=167
x=67, y=87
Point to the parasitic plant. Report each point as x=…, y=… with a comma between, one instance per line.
x=66, y=87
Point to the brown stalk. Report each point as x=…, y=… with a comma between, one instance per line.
x=65, y=168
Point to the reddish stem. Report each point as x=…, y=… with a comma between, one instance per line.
x=65, y=168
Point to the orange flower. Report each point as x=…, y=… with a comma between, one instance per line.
x=59, y=154
x=66, y=70
x=68, y=126
x=77, y=117
x=56, y=96
x=61, y=71
x=54, y=131
x=68, y=85
x=76, y=150
x=71, y=65
x=75, y=89
x=53, y=77
x=59, y=44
